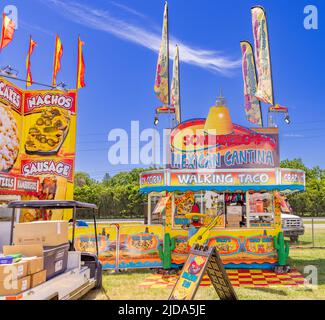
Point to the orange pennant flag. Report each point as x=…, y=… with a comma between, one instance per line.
x=29, y=79
x=7, y=31
x=58, y=51
x=80, y=66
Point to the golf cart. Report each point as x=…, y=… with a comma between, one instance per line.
x=84, y=271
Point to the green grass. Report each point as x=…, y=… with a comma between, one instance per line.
x=124, y=285
x=315, y=222
x=306, y=240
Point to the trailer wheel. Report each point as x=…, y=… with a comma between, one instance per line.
x=294, y=239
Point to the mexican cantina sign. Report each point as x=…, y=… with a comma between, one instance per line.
x=194, y=148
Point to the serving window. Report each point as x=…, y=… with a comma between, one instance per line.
x=197, y=209
x=261, y=209
x=227, y=210
x=157, y=207
x=236, y=213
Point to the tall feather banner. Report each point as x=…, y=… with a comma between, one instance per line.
x=262, y=53
x=175, y=88
x=252, y=104
x=161, y=87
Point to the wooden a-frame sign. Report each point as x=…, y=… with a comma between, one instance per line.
x=203, y=259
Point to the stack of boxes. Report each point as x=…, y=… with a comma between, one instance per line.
x=14, y=276
x=234, y=216
x=39, y=253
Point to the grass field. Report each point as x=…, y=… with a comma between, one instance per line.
x=315, y=222
x=307, y=241
x=124, y=285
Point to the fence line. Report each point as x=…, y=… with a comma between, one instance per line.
x=314, y=235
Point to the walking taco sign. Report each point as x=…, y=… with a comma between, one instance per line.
x=194, y=148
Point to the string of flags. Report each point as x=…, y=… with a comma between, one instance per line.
x=7, y=35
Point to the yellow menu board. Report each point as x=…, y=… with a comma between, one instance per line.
x=38, y=140
x=48, y=145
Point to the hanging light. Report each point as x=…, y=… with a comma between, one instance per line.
x=219, y=119
x=9, y=71
x=156, y=121
x=61, y=86
x=287, y=119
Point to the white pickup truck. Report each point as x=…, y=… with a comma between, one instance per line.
x=292, y=226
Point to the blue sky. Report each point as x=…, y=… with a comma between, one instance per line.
x=121, y=42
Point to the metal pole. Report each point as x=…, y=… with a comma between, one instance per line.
x=12, y=225
x=154, y=146
x=312, y=231
x=168, y=101
x=117, y=247
x=95, y=226
x=73, y=227
x=26, y=81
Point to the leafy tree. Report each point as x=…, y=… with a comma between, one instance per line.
x=116, y=196
x=106, y=179
x=82, y=178
x=312, y=201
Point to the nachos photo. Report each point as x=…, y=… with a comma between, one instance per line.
x=48, y=132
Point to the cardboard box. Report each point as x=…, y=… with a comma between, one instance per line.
x=237, y=219
x=13, y=287
x=35, y=264
x=33, y=255
x=234, y=210
x=48, y=233
x=233, y=225
x=35, y=250
x=13, y=271
x=37, y=278
x=234, y=217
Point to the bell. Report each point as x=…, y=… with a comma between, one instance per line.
x=219, y=121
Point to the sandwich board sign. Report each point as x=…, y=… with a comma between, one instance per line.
x=200, y=260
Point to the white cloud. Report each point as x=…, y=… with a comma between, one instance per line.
x=127, y=9
x=102, y=20
x=293, y=135
x=33, y=27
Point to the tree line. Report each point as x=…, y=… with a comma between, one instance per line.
x=118, y=196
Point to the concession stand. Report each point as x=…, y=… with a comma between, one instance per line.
x=224, y=182
x=222, y=185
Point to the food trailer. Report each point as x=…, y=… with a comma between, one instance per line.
x=222, y=185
